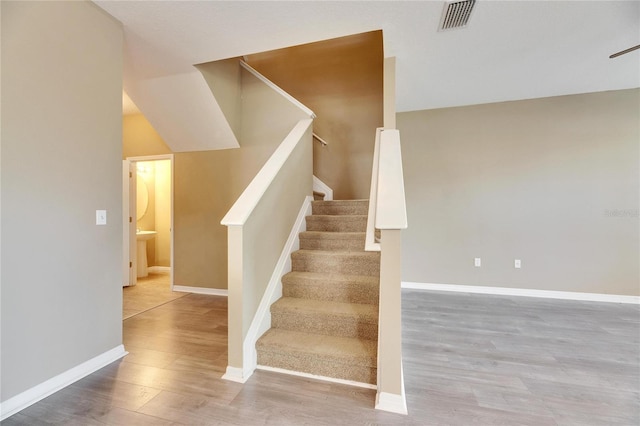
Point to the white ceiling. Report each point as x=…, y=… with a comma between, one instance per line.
x=510, y=49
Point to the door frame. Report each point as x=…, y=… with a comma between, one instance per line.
x=134, y=160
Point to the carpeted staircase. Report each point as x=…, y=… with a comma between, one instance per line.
x=326, y=323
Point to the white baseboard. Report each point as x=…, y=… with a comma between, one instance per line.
x=29, y=397
x=315, y=377
x=320, y=186
x=202, y=290
x=159, y=269
x=237, y=375
x=506, y=291
x=391, y=402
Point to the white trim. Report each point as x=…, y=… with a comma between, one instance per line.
x=202, y=290
x=316, y=377
x=248, y=200
x=23, y=400
x=391, y=402
x=506, y=291
x=275, y=87
x=235, y=374
x=158, y=269
x=262, y=319
x=320, y=186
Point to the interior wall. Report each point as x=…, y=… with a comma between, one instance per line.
x=162, y=241
x=553, y=182
x=225, y=79
x=341, y=80
x=139, y=138
x=61, y=131
x=206, y=184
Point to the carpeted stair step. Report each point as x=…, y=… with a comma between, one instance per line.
x=331, y=287
x=331, y=223
x=340, y=207
x=339, y=357
x=337, y=262
x=323, y=317
x=343, y=241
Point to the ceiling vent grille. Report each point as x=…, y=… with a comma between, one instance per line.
x=456, y=14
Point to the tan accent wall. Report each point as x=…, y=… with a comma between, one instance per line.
x=139, y=138
x=341, y=80
x=162, y=241
x=553, y=182
x=61, y=135
x=208, y=183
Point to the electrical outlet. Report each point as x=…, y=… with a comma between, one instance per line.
x=517, y=264
x=101, y=217
x=477, y=262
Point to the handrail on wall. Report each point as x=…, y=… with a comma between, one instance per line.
x=319, y=139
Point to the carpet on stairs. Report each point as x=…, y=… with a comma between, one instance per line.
x=326, y=323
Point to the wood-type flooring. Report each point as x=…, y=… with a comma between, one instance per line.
x=468, y=359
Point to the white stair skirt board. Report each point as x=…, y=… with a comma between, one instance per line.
x=313, y=376
x=262, y=320
x=159, y=269
x=29, y=397
x=320, y=186
x=506, y=291
x=201, y=290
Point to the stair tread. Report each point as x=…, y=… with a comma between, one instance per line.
x=338, y=235
x=338, y=216
x=321, y=276
x=334, y=309
x=308, y=252
x=346, y=349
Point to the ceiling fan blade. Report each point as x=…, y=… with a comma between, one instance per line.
x=622, y=52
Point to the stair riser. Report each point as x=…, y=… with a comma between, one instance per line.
x=319, y=324
x=356, y=244
x=337, y=223
x=341, y=208
x=338, y=264
x=348, y=293
x=321, y=366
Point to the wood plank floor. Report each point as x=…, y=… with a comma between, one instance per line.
x=468, y=359
x=149, y=292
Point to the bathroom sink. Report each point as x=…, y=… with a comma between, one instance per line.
x=145, y=235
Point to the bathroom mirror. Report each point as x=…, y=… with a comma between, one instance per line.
x=143, y=197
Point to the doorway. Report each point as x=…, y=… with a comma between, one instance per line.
x=148, y=238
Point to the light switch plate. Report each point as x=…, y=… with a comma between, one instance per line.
x=517, y=264
x=101, y=217
x=477, y=262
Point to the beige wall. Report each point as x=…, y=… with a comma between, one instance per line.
x=206, y=184
x=61, y=161
x=341, y=80
x=553, y=182
x=139, y=138
x=162, y=241
x=225, y=79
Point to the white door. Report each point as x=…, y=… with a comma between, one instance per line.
x=129, y=276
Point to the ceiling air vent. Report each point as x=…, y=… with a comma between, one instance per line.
x=456, y=14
